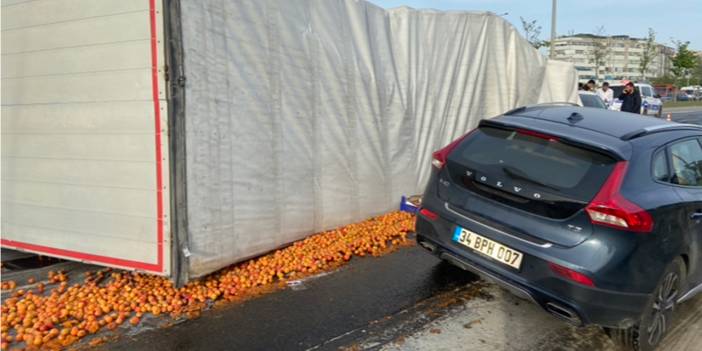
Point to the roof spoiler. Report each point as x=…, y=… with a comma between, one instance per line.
x=544, y=104
x=583, y=143
x=659, y=128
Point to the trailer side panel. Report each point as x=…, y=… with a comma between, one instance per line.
x=301, y=116
x=84, y=132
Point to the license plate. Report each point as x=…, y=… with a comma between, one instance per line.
x=487, y=247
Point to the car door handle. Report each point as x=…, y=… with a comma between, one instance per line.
x=696, y=215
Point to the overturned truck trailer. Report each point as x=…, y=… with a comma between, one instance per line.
x=177, y=137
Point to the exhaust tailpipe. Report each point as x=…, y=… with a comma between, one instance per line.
x=564, y=313
x=428, y=246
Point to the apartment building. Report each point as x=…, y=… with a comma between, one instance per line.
x=621, y=60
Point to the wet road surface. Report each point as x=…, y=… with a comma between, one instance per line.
x=508, y=324
x=323, y=313
x=408, y=300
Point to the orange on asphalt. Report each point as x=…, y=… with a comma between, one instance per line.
x=62, y=314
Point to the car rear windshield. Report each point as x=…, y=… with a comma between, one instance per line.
x=537, y=161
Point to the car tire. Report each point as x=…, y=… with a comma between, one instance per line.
x=656, y=320
x=660, y=112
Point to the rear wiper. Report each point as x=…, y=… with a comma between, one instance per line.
x=515, y=173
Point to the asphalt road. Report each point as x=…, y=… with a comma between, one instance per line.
x=691, y=115
x=323, y=313
x=407, y=300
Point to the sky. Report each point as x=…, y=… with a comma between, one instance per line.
x=671, y=19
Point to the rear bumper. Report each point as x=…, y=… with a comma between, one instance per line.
x=576, y=304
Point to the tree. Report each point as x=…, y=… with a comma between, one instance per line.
x=684, y=61
x=532, y=31
x=663, y=80
x=650, y=50
x=697, y=72
x=598, y=54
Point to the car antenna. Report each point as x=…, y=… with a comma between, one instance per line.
x=575, y=117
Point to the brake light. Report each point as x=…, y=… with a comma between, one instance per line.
x=439, y=157
x=429, y=214
x=571, y=274
x=537, y=134
x=610, y=208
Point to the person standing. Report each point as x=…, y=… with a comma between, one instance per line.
x=606, y=94
x=631, y=99
x=591, y=85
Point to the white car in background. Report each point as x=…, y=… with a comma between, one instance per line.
x=694, y=92
x=589, y=99
x=651, y=104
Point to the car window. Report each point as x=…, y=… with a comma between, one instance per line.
x=686, y=159
x=590, y=100
x=646, y=91
x=572, y=171
x=617, y=90
x=660, y=167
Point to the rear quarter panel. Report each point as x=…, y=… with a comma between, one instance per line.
x=671, y=236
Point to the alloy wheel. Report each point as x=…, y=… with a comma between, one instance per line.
x=663, y=307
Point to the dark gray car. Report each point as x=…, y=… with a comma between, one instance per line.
x=594, y=215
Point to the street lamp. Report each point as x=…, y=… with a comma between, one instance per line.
x=553, y=27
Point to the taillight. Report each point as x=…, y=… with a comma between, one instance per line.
x=571, y=274
x=429, y=214
x=439, y=157
x=610, y=208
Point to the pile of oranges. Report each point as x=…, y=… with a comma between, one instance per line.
x=8, y=285
x=56, y=315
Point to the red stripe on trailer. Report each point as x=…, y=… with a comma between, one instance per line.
x=113, y=261
x=110, y=261
x=157, y=119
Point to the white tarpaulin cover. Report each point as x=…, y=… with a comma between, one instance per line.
x=306, y=115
